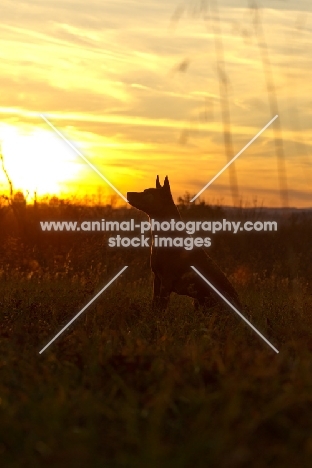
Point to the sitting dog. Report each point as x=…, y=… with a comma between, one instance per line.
x=172, y=265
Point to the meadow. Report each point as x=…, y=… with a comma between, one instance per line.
x=126, y=387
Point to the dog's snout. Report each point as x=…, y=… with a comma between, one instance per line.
x=130, y=196
x=133, y=198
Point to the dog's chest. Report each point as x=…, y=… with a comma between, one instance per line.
x=156, y=260
x=166, y=260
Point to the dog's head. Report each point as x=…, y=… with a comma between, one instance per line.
x=153, y=201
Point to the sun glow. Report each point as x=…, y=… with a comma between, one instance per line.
x=36, y=160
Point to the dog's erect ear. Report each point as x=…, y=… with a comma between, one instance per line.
x=166, y=184
x=157, y=182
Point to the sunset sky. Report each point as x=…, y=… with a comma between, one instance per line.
x=138, y=95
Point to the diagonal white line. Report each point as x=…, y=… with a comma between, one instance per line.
x=84, y=158
x=84, y=308
x=233, y=159
x=235, y=310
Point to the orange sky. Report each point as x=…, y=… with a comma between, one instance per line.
x=107, y=76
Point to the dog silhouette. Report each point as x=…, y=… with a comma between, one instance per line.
x=172, y=265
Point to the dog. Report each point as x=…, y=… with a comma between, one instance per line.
x=172, y=265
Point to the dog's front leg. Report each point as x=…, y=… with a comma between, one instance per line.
x=162, y=291
x=157, y=285
x=165, y=291
x=157, y=302
x=156, y=291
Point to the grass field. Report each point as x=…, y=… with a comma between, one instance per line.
x=124, y=387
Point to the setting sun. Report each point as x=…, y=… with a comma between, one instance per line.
x=37, y=160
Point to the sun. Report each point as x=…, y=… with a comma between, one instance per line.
x=37, y=160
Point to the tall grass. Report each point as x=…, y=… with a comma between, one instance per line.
x=124, y=386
